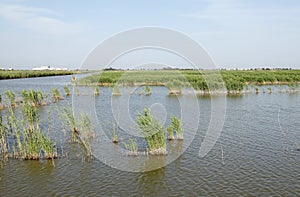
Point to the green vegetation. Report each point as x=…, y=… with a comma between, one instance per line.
x=132, y=147
x=153, y=132
x=21, y=136
x=96, y=91
x=170, y=132
x=147, y=90
x=67, y=90
x=204, y=82
x=34, y=98
x=56, y=95
x=177, y=127
x=115, y=90
x=14, y=74
x=115, y=136
x=11, y=97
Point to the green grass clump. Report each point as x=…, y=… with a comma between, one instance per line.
x=34, y=98
x=177, y=127
x=67, y=90
x=10, y=95
x=153, y=132
x=170, y=132
x=56, y=95
x=132, y=147
x=147, y=90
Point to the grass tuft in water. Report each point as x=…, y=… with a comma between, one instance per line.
x=153, y=132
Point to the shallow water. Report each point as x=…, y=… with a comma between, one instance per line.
x=256, y=153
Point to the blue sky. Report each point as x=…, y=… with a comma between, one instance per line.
x=236, y=33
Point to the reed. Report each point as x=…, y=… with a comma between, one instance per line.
x=96, y=91
x=1, y=104
x=115, y=90
x=132, y=147
x=67, y=91
x=147, y=90
x=11, y=97
x=153, y=132
x=115, y=136
x=56, y=95
x=170, y=132
x=177, y=127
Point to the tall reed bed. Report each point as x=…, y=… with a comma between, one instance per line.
x=153, y=132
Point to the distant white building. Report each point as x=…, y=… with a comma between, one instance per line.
x=48, y=68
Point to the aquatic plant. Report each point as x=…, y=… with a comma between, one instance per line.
x=96, y=91
x=56, y=95
x=132, y=147
x=67, y=90
x=11, y=97
x=115, y=136
x=116, y=90
x=153, y=132
x=1, y=104
x=147, y=90
x=170, y=132
x=67, y=115
x=177, y=127
x=34, y=98
x=175, y=87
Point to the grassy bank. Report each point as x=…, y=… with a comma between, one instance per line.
x=15, y=74
x=205, y=81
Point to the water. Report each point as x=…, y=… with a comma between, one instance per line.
x=256, y=153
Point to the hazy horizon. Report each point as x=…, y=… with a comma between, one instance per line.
x=236, y=33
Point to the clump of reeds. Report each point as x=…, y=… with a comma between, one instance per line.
x=67, y=90
x=115, y=136
x=147, y=90
x=25, y=139
x=34, y=98
x=96, y=91
x=81, y=130
x=11, y=97
x=115, y=90
x=132, y=147
x=153, y=132
x=177, y=127
x=1, y=104
x=67, y=115
x=56, y=95
x=175, y=87
x=170, y=132
x=3, y=140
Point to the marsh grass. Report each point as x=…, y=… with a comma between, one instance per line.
x=115, y=90
x=67, y=91
x=1, y=104
x=115, y=136
x=21, y=136
x=177, y=127
x=170, y=132
x=56, y=95
x=10, y=95
x=34, y=98
x=147, y=90
x=81, y=130
x=175, y=87
x=153, y=132
x=132, y=147
x=96, y=91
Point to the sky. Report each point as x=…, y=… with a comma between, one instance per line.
x=236, y=33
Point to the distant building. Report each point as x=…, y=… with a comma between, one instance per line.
x=48, y=68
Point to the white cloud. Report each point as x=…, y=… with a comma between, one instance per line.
x=38, y=19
